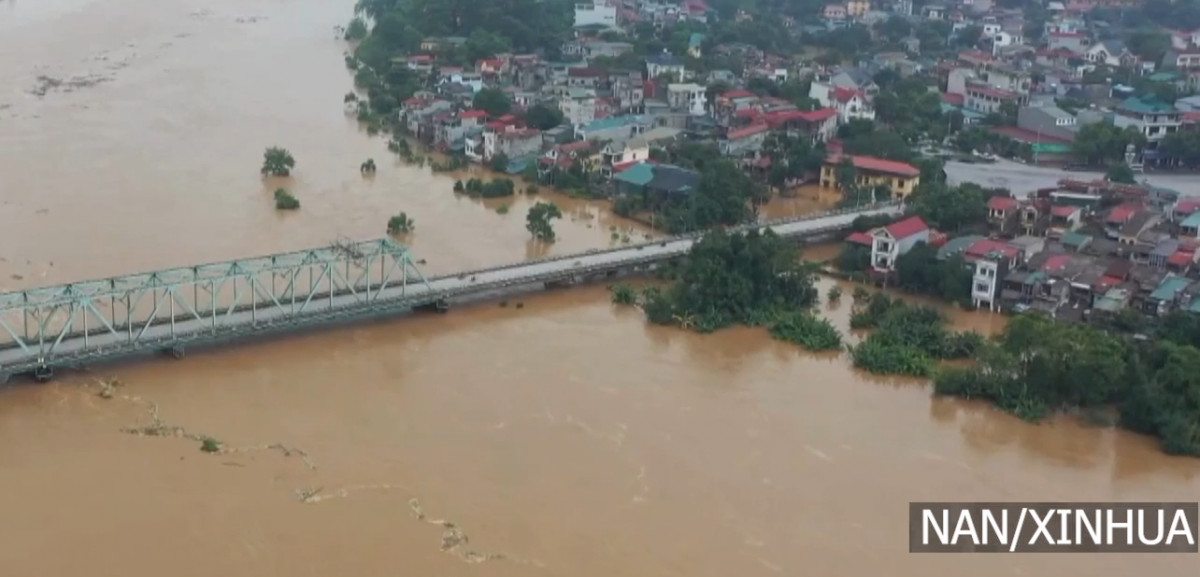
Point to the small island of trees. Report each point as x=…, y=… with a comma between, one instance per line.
x=278, y=162
x=538, y=220
x=400, y=224
x=285, y=201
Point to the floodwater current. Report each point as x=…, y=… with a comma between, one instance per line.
x=564, y=438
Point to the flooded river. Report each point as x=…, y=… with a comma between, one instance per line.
x=565, y=438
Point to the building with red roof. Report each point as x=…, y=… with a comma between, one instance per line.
x=900, y=178
x=891, y=241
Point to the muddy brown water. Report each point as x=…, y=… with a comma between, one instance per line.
x=565, y=438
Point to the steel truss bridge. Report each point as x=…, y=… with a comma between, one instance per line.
x=94, y=321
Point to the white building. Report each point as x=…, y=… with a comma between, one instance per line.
x=665, y=64
x=578, y=106
x=986, y=282
x=688, y=97
x=852, y=104
x=891, y=241
x=595, y=14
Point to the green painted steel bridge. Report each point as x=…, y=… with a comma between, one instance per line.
x=81, y=323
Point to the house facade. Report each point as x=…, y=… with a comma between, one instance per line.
x=891, y=241
x=900, y=177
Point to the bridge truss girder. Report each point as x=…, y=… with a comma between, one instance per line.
x=167, y=307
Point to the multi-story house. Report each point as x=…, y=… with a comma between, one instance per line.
x=585, y=77
x=1185, y=58
x=852, y=104
x=900, y=177
x=628, y=91
x=578, y=106
x=986, y=283
x=1002, y=212
x=834, y=12
x=857, y=8
x=891, y=241
x=688, y=98
x=1008, y=79
x=613, y=128
x=744, y=142
x=986, y=99
x=730, y=104
x=1154, y=118
x=449, y=130
x=510, y=140
x=1110, y=52
x=818, y=125
x=665, y=65
x=1075, y=41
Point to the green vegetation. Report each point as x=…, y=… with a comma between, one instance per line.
x=495, y=101
x=807, y=330
x=277, y=162
x=1120, y=172
x=835, y=293
x=1037, y=366
x=538, y=220
x=285, y=201
x=400, y=224
x=210, y=445
x=1101, y=143
x=368, y=166
x=623, y=294
x=356, y=30
x=502, y=209
x=750, y=278
x=495, y=188
x=543, y=117
x=907, y=339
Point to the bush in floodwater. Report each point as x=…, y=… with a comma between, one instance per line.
x=210, y=445
x=623, y=294
x=807, y=330
x=285, y=201
x=835, y=293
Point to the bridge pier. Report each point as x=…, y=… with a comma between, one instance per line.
x=441, y=306
x=43, y=374
x=176, y=352
x=4, y=378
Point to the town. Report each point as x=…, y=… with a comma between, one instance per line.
x=644, y=102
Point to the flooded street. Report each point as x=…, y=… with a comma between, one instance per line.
x=567, y=438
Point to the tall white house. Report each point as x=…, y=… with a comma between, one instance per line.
x=891, y=241
x=595, y=14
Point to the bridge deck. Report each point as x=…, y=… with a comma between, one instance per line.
x=183, y=329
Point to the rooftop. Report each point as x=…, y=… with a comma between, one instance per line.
x=906, y=228
x=874, y=164
x=1146, y=105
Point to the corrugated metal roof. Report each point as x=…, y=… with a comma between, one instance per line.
x=638, y=175
x=1169, y=287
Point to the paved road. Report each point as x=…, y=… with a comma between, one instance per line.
x=190, y=330
x=1023, y=179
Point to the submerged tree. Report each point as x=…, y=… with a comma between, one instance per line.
x=277, y=161
x=537, y=222
x=284, y=200
x=368, y=166
x=399, y=224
